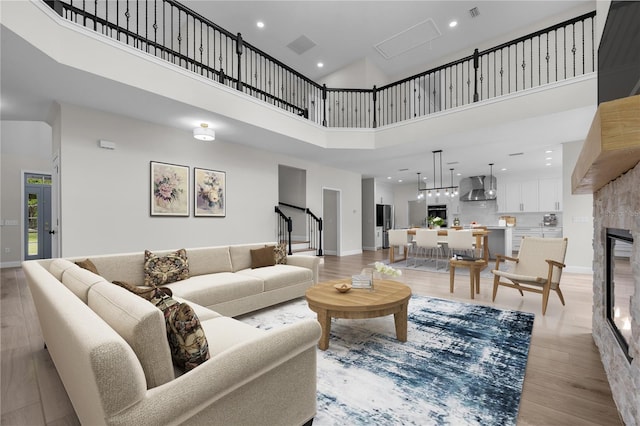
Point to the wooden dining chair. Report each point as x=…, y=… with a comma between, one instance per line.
x=398, y=238
x=427, y=241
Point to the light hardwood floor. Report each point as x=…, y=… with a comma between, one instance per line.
x=565, y=383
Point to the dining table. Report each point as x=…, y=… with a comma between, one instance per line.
x=481, y=234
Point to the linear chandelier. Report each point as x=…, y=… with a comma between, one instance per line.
x=449, y=191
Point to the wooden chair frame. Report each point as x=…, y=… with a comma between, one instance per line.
x=543, y=287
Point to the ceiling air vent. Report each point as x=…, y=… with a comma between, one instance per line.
x=474, y=12
x=301, y=44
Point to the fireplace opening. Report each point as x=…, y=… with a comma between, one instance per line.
x=619, y=285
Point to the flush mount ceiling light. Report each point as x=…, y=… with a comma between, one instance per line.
x=204, y=133
x=453, y=24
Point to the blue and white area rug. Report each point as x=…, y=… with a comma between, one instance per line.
x=430, y=266
x=463, y=364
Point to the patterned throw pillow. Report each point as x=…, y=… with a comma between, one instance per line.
x=159, y=270
x=88, y=265
x=280, y=252
x=188, y=343
x=144, y=291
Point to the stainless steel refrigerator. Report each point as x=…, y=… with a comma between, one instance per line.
x=384, y=218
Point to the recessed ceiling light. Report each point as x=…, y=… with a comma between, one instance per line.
x=548, y=158
x=453, y=24
x=548, y=164
x=548, y=151
x=320, y=65
x=504, y=169
x=388, y=177
x=260, y=24
x=458, y=174
x=400, y=180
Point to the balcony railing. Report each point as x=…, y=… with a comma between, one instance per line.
x=173, y=32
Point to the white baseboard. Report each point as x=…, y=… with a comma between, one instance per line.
x=15, y=264
x=578, y=270
x=369, y=248
x=330, y=252
x=351, y=252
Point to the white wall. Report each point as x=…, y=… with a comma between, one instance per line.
x=361, y=74
x=368, y=214
x=577, y=213
x=105, y=193
x=25, y=147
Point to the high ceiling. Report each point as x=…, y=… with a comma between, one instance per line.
x=347, y=31
x=343, y=32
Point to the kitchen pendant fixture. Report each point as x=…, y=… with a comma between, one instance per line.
x=491, y=192
x=449, y=191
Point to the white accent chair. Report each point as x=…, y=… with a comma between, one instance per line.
x=537, y=269
x=426, y=241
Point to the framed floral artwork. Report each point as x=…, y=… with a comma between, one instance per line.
x=209, y=193
x=169, y=189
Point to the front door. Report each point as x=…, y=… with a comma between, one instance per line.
x=37, y=216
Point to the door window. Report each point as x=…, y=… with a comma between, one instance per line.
x=37, y=221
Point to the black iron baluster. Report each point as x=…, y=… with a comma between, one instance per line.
x=524, y=67
x=573, y=49
x=564, y=56
x=137, y=40
x=324, y=105
x=476, y=55
x=547, y=57
x=593, y=47
x=555, y=39
x=583, y=51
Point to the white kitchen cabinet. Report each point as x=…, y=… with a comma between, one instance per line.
x=454, y=208
x=378, y=237
x=551, y=232
x=501, y=199
x=519, y=232
x=518, y=196
x=534, y=231
x=550, y=195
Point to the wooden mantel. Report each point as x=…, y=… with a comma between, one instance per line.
x=612, y=146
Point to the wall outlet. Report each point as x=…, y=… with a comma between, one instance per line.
x=7, y=249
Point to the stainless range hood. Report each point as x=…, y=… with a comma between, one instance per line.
x=473, y=188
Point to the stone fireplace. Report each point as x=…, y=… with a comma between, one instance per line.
x=609, y=168
x=617, y=206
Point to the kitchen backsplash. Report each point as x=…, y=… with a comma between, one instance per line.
x=486, y=213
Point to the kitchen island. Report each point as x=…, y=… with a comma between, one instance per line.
x=501, y=240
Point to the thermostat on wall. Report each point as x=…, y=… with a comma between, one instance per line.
x=106, y=144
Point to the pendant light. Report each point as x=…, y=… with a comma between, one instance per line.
x=420, y=195
x=449, y=191
x=491, y=192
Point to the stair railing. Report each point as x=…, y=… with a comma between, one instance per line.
x=314, y=228
x=284, y=228
x=175, y=33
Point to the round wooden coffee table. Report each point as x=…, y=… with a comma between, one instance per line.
x=387, y=297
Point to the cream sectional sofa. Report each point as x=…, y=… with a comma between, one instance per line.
x=110, y=348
